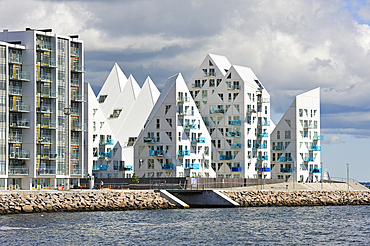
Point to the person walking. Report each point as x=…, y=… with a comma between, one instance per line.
x=101, y=184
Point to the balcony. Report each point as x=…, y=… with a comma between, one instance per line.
x=104, y=155
x=48, y=155
x=15, y=90
x=15, y=58
x=263, y=123
x=45, y=77
x=47, y=93
x=48, y=124
x=126, y=168
x=262, y=135
x=309, y=159
x=234, y=134
x=45, y=109
x=75, y=52
x=45, y=139
x=46, y=171
x=15, y=138
x=77, y=98
x=76, y=171
x=167, y=165
x=235, y=122
x=226, y=157
x=209, y=74
x=183, y=99
x=75, y=141
x=236, y=145
x=286, y=170
x=21, y=107
x=78, y=127
x=183, y=152
x=206, y=122
x=156, y=153
x=251, y=111
x=149, y=140
x=318, y=137
x=43, y=45
x=75, y=82
x=263, y=100
x=263, y=157
x=233, y=87
x=236, y=169
x=197, y=85
x=217, y=111
x=20, y=155
x=259, y=146
x=77, y=68
x=190, y=126
x=18, y=170
x=285, y=159
x=314, y=148
x=263, y=170
x=315, y=170
x=309, y=126
x=279, y=148
x=75, y=156
x=198, y=140
x=21, y=123
x=75, y=111
x=191, y=166
x=186, y=113
x=99, y=167
x=51, y=62
x=106, y=142
x=22, y=76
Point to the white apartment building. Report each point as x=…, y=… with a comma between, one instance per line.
x=42, y=76
x=236, y=109
x=115, y=120
x=296, y=141
x=175, y=141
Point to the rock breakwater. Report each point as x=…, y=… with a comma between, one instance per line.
x=299, y=198
x=34, y=202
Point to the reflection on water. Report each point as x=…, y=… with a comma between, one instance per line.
x=221, y=226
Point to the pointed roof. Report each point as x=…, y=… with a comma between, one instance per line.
x=221, y=62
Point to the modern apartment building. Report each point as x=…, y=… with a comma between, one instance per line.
x=42, y=100
x=296, y=150
x=235, y=106
x=175, y=141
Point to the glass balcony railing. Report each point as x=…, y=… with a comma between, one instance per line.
x=15, y=90
x=78, y=127
x=263, y=123
x=78, y=68
x=263, y=157
x=126, y=168
x=20, y=107
x=226, y=157
x=197, y=85
x=191, y=166
x=44, y=45
x=236, y=169
x=167, y=165
x=75, y=52
x=186, y=113
x=149, y=140
x=47, y=93
x=51, y=62
x=259, y=146
x=76, y=171
x=233, y=87
x=75, y=156
x=20, y=123
x=309, y=159
x=183, y=99
x=75, y=141
x=286, y=170
x=198, y=140
x=263, y=100
x=209, y=74
x=23, y=76
x=263, y=134
x=263, y=169
x=99, y=167
x=315, y=170
x=18, y=170
x=314, y=148
x=156, y=152
x=45, y=139
x=285, y=159
x=15, y=138
x=217, y=111
x=105, y=155
x=48, y=155
x=106, y=142
x=45, y=109
x=235, y=122
x=19, y=154
x=15, y=58
x=183, y=152
x=190, y=126
x=236, y=145
x=46, y=171
x=75, y=82
x=234, y=134
x=75, y=111
x=318, y=137
x=48, y=124
x=45, y=77
x=279, y=147
x=78, y=98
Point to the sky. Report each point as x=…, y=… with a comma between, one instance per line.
x=291, y=45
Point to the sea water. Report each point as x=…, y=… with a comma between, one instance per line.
x=332, y=225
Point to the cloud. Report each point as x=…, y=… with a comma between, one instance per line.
x=333, y=139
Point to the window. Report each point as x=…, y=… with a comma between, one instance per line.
x=265, y=109
x=150, y=163
x=131, y=141
x=151, y=175
x=221, y=96
x=141, y=161
x=95, y=152
x=94, y=126
x=116, y=113
x=102, y=98
x=101, y=125
x=211, y=83
x=219, y=82
x=169, y=121
x=94, y=111
x=167, y=108
x=115, y=165
x=300, y=112
x=278, y=134
x=169, y=134
x=204, y=94
x=158, y=125
x=94, y=136
x=287, y=134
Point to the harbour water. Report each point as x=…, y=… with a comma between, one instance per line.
x=332, y=225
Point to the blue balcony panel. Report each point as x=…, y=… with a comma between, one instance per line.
x=236, y=146
x=156, y=153
x=217, y=111
x=234, y=134
x=236, y=169
x=287, y=170
x=279, y=148
x=318, y=137
x=286, y=159
x=167, y=165
x=192, y=166
x=183, y=153
x=264, y=169
x=263, y=157
x=226, y=157
x=315, y=170
x=314, y=148
x=235, y=122
x=306, y=159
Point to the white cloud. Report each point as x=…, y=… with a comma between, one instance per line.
x=333, y=139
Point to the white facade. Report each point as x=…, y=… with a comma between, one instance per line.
x=236, y=108
x=44, y=109
x=296, y=150
x=175, y=141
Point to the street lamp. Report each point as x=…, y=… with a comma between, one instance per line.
x=67, y=113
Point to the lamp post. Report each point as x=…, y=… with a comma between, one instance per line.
x=347, y=176
x=322, y=168
x=293, y=175
x=67, y=113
